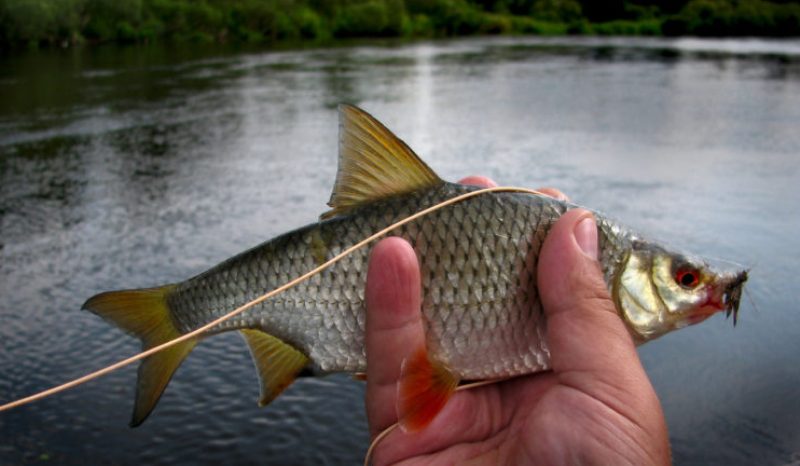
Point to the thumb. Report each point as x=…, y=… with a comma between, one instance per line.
x=584, y=332
x=591, y=350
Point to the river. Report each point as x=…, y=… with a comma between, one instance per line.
x=137, y=166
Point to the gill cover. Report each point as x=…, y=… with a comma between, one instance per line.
x=656, y=291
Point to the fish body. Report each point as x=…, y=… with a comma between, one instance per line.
x=482, y=315
x=481, y=312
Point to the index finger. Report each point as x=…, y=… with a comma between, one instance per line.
x=393, y=325
x=485, y=182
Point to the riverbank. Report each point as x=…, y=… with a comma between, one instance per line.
x=36, y=23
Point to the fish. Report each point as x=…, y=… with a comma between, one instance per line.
x=482, y=316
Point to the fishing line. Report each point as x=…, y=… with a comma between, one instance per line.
x=385, y=432
x=378, y=438
x=194, y=333
x=752, y=301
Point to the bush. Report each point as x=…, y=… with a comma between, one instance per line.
x=370, y=18
x=650, y=27
x=449, y=17
x=627, y=28
x=739, y=18
x=525, y=25
x=496, y=24
x=579, y=28
x=707, y=17
x=35, y=21
x=557, y=11
x=251, y=21
x=787, y=20
x=65, y=22
x=420, y=25
x=150, y=30
x=308, y=24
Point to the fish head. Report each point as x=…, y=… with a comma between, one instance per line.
x=657, y=291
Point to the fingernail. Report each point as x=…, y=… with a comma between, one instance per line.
x=586, y=236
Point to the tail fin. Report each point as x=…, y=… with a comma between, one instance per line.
x=144, y=313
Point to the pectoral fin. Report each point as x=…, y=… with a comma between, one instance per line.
x=277, y=363
x=424, y=388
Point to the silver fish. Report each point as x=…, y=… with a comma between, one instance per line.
x=482, y=315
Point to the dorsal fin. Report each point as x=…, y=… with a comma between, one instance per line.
x=373, y=163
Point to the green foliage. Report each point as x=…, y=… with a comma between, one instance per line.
x=580, y=27
x=309, y=24
x=627, y=28
x=449, y=17
x=370, y=18
x=419, y=25
x=496, y=24
x=66, y=22
x=650, y=27
x=565, y=11
x=34, y=21
x=735, y=18
x=112, y=20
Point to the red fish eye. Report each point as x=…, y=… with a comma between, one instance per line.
x=687, y=278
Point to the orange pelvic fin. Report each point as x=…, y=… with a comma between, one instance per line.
x=423, y=390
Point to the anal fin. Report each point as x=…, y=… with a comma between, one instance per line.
x=424, y=388
x=277, y=363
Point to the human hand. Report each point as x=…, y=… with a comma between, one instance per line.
x=596, y=405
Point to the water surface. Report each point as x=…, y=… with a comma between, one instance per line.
x=134, y=167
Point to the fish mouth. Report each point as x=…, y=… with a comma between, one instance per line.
x=725, y=295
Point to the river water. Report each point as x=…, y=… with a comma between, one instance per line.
x=133, y=167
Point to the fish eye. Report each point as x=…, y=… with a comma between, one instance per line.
x=687, y=278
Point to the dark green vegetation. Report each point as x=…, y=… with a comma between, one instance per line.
x=69, y=22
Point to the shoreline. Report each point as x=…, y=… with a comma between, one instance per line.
x=272, y=23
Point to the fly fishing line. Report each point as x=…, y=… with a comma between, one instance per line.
x=385, y=432
x=200, y=330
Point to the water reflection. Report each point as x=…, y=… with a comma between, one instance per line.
x=139, y=166
x=40, y=186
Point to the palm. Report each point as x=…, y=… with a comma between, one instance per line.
x=596, y=406
x=527, y=420
x=489, y=425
